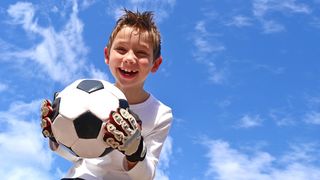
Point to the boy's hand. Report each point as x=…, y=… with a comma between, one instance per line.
x=123, y=132
x=46, y=122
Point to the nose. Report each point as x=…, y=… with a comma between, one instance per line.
x=130, y=57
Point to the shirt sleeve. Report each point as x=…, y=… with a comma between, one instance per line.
x=57, y=148
x=145, y=170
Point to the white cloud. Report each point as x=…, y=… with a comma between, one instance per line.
x=23, y=150
x=271, y=69
x=270, y=26
x=3, y=87
x=160, y=175
x=217, y=76
x=97, y=74
x=164, y=162
x=202, y=39
x=302, y=152
x=314, y=100
x=249, y=121
x=282, y=118
x=312, y=117
x=227, y=163
x=206, y=48
x=22, y=13
x=60, y=55
x=240, y=21
x=288, y=116
x=87, y=3
x=263, y=8
x=293, y=6
x=225, y=103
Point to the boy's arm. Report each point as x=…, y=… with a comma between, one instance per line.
x=61, y=151
x=145, y=170
x=128, y=165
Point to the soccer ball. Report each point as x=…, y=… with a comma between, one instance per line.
x=80, y=112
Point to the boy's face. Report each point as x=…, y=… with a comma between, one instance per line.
x=130, y=58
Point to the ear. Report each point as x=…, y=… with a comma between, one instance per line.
x=156, y=64
x=106, y=55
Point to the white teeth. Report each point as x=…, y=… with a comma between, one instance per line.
x=128, y=70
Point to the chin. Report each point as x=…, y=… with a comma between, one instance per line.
x=127, y=85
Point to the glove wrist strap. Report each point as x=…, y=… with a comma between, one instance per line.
x=140, y=154
x=53, y=139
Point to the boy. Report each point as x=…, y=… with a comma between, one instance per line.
x=133, y=51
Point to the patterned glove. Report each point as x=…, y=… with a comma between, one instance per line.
x=46, y=122
x=123, y=132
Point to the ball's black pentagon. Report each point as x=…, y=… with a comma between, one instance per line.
x=90, y=85
x=55, y=95
x=55, y=108
x=106, y=151
x=70, y=150
x=87, y=125
x=123, y=103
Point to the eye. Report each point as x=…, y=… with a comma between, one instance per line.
x=121, y=50
x=142, y=53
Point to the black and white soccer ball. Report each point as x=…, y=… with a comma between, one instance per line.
x=79, y=113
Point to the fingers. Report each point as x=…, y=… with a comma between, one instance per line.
x=46, y=112
x=136, y=117
x=46, y=127
x=123, y=132
x=120, y=128
x=123, y=121
x=117, y=135
x=46, y=108
x=129, y=118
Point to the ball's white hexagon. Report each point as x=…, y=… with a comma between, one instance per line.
x=101, y=102
x=75, y=102
x=89, y=148
x=75, y=98
x=60, y=126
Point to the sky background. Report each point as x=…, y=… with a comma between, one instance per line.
x=242, y=77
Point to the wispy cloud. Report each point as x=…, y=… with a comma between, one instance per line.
x=240, y=21
x=282, y=117
x=249, y=121
x=302, y=152
x=270, y=26
x=23, y=150
x=164, y=162
x=288, y=115
x=312, y=117
x=271, y=69
x=227, y=163
x=263, y=8
x=3, y=87
x=206, y=48
x=315, y=22
x=206, y=33
x=60, y=55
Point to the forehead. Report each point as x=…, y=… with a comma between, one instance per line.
x=129, y=34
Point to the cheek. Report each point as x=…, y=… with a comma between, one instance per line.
x=113, y=61
x=113, y=66
x=145, y=63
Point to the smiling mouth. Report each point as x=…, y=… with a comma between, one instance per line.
x=127, y=72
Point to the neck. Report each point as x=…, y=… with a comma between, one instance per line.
x=134, y=95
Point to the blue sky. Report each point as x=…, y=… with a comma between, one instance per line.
x=242, y=77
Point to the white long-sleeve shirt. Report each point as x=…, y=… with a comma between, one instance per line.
x=156, y=121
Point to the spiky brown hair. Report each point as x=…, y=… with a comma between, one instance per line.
x=142, y=22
